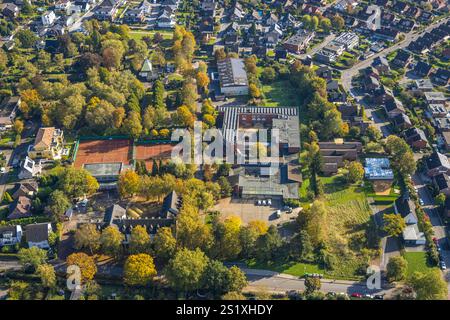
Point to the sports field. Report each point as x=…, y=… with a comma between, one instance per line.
x=148, y=152
x=103, y=151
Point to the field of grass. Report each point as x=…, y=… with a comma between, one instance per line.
x=417, y=261
x=279, y=93
x=349, y=217
x=138, y=35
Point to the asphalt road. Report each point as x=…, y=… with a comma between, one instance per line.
x=278, y=282
x=435, y=219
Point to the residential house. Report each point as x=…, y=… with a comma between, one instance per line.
x=9, y=10
x=382, y=65
x=402, y=59
x=20, y=208
x=166, y=20
x=107, y=10
x=134, y=15
x=437, y=111
x=48, y=144
x=30, y=169
x=394, y=108
x=416, y=138
x=299, y=41
x=402, y=121
x=325, y=73
x=344, y=5
x=405, y=207
x=26, y=189
x=442, y=124
x=335, y=94
x=435, y=97
x=423, y=69
x=437, y=163
x=147, y=73
x=37, y=235
x=8, y=110
x=442, y=183
x=48, y=18
x=442, y=77
x=10, y=235
x=386, y=34
x=421, y=86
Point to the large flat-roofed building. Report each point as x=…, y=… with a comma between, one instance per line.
x=267, y=178
x=335, y=153
x=233, y=77
x=299, y=41
x=285, y=119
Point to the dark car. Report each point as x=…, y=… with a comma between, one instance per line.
x=378, y=297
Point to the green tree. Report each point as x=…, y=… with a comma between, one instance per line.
x=268, y=245
x=139, y=240
x=185, y=271
x=132, y=125
x=312, y=285
x=401, y=154
x=355, y=171
x=139, y=270
x=58, y=204
x=77, y=183
x=128, y=184
x=164, y=244
x=397, y=268
x=33, y=257
x=428, y=285
x=87, y=237
x=440, y=199
x=27, y=38
x=111, y=241
x=47, y=274
x=394, y=224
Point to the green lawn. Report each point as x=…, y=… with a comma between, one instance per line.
x=417, y=261
x=138, y=35
x=296, y=269
x=279, y=93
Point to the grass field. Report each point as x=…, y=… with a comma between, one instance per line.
x=417, y=261
x=138, y=35
x=349, y=215
x=279, y=93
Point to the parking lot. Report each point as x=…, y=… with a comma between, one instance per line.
x=248, y=210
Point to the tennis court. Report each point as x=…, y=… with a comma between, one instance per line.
x=103, y=151
x=153, y=151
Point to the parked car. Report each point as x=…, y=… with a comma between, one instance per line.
x=264, y=202
x=368, y=296
x=442, y=265
x=258, y=203
x=421, y=202
x=278, y=213
x=378, y=297
x=269, y=202
x=356, y=295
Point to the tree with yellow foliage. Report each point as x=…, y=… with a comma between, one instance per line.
x=139, y=270
x=86, y=264
x=128, y=183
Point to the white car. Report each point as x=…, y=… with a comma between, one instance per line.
x=259, y=202
x=421, y=202
x=278, y=213
x=269, y=202
x=2, y=170
x=264, y=203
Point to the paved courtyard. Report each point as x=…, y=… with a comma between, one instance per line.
x=248, y=211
